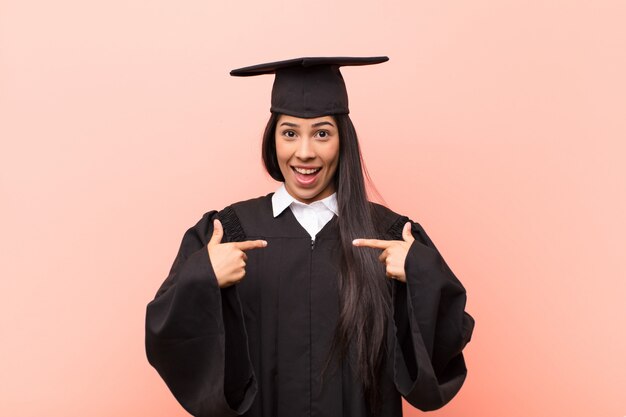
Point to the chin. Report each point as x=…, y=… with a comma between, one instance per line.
x=306, y=195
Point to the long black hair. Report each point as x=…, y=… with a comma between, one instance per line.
x=363, y=288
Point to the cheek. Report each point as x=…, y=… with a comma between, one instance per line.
x=281, y=152
x=283, y=156
x=332, y=155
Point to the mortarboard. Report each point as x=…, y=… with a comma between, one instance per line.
x=308, y=87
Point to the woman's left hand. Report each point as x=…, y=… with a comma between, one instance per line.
x=394, y=252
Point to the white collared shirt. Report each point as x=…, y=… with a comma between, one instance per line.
x=313, y=217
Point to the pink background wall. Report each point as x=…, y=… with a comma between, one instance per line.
x=498, y=125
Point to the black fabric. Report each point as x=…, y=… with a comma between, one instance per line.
x=257, y=348
x=308, y=87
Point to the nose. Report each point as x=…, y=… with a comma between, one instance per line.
x=305, y=149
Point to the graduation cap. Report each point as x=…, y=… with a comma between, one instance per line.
x=308, y=87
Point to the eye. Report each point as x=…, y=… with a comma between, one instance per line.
x=323, y=134
x=289, y=134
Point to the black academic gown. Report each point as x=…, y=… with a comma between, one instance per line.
x=258, y=348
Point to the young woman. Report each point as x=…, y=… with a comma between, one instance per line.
x=342, y=308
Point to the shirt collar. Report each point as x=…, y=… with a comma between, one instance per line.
x=282, y=199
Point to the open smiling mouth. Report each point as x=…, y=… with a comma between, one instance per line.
x=306, y=176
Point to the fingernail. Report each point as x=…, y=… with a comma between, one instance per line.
x=355, y=242
x=265, y=243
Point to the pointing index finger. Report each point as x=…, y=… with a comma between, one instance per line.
x=372, y=243
x=250, y=244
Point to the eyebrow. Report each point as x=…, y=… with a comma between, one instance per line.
x=318, y=124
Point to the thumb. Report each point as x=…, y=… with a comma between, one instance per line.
x=218, y=233
x=406, y=233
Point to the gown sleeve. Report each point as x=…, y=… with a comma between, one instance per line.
x=431, y=327
x=195, y=333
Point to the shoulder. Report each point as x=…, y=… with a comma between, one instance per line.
x=231, y=216
x=241, y=207
x=247, y=217
x=253, y=204
x=383, y=211
x=388, y=222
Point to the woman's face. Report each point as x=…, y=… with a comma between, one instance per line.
x=308, y=155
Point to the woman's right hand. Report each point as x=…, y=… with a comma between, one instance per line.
x=229, y=259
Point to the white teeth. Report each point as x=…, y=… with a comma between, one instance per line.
x=306, y=171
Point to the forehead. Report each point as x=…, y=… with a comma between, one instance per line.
x=299, y=121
